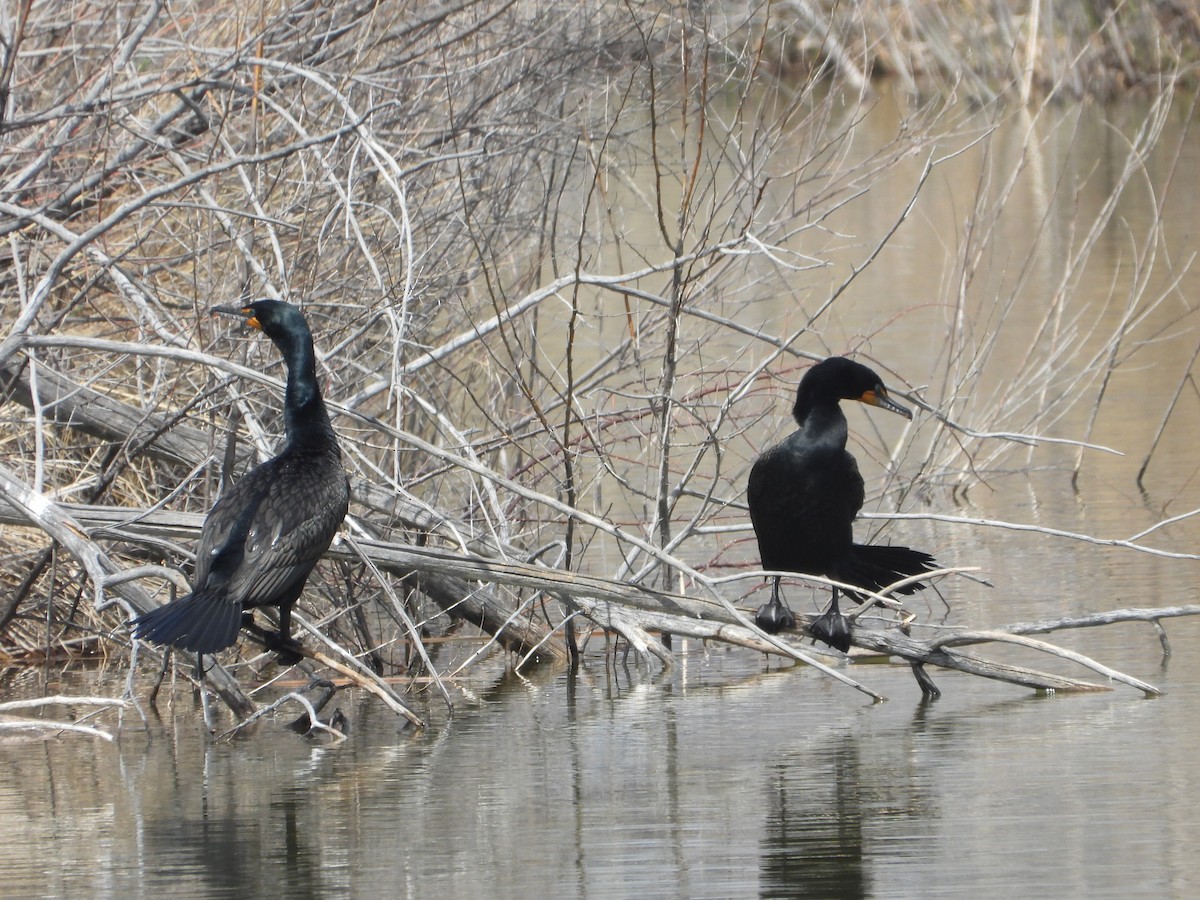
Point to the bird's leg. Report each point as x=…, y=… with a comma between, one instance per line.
x=832, y=627
x=288, y=649
x=774, y=616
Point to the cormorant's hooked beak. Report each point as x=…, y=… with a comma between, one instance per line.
x=245, y=313
x=879, y=397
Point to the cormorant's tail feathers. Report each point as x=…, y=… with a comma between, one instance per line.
x=875, y=566
x=203, y=622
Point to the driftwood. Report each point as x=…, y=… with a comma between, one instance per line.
x=639, y=612
x=453, y=578
x=10, y=723
x=35, y=508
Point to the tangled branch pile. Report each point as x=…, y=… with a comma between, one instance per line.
x=435, y=186
x=529, y=239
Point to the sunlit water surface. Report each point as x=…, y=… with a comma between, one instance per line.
x=723, y=779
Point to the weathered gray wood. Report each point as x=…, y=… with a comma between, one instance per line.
x=72, y=405
x=894, y=643
x=446, y=576
x=612, y=603
x=34, y=508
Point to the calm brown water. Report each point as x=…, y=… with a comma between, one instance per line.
x=723, y=780
x=733, y=777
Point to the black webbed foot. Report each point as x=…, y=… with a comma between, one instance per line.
x=774, y=616
x=288, y=651
x=833, y=628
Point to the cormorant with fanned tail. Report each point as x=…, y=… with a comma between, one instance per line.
x=805, y=492
x=265, y=533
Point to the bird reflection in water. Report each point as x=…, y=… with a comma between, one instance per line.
x=813, y=845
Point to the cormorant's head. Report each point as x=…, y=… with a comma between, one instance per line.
x=839, y=378
x=274, y=318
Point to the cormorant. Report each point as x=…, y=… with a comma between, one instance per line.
x=805, y=492
x=265, y=533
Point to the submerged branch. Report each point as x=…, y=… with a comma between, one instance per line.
x=46, y=725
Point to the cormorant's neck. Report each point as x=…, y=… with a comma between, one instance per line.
x=305, y=418
x=823, y=422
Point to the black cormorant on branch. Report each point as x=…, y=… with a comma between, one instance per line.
x=805, y=492
x=263, y=536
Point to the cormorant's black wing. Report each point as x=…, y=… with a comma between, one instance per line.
x=269, y=529
x=802, y=503
x=304, y=505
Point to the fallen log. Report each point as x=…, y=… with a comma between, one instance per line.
x=450, y=577
x=631, y=609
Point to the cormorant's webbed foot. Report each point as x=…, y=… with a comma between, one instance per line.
x=774, y=616
x=288, y=650
x=833, y=628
